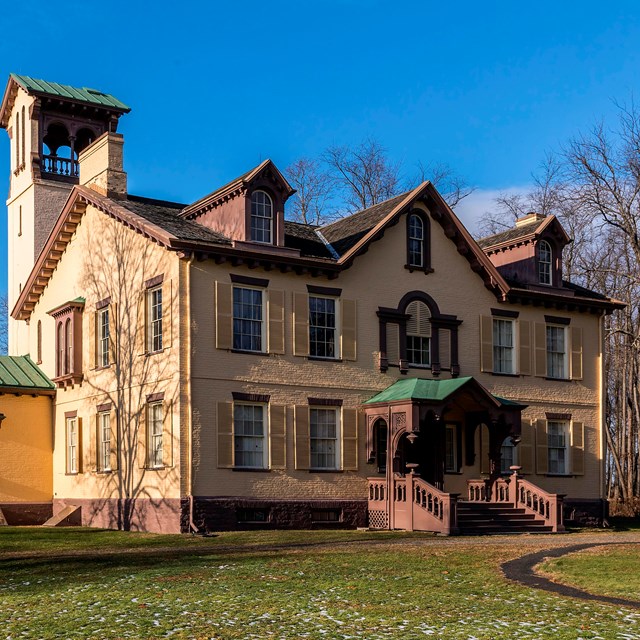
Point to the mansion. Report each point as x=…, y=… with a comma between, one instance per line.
x=206, y=366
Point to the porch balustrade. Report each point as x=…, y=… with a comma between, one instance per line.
x=521, y=494
x=60, y=166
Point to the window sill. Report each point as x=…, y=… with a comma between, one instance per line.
x=559, y=475
x=250, y=353
x=68, y=380
x=102, y=368
x=453, y=473
x=411, y=365
x=162, y=468
x=324, y=359
x=413, y=268
x=326, y=471
x=72, y=473
x=251, y=469
x=505, y=375
x=558, y=379
x=104, y=472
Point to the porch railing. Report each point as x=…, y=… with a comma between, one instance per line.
x=60, y=166
x=433, y=510
x=521, y=494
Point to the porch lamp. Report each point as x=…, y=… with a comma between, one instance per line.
x=412, y=437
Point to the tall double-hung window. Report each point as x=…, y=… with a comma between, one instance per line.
x=557, y=360
x=544, y=262
x=324, y=438
x=503, y=346
x=248, y=319
x=154, y=329
x=557, y=447
x=322, y=327
x=261, y=217
x=250, y=436
x=104, y=335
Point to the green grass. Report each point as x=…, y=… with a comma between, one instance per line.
x=608, y=570
x=77, y=583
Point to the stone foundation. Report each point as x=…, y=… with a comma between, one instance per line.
x=26, y=514
x=585, y=512
x=233, y=514
x=142, y=514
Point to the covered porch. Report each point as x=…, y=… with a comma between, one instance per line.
x=436, y=443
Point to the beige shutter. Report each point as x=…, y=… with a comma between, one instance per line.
x=278, y=436
x=577, y=448
x=393, y=344
x=540, y=335
x=141, y=324
x=224, y=315
x=445, y=348
x=81, y=453
x=576, y=353
x=167, y=434
x=484, y=448
x=300, y=324
x=113, y=332
x=224, y=424
x=486, y=343
x=276, y=321
x=93, y=340
x=542, y=456
x=303, y=453
x=142, y=452
x=524, y=356
x=167, y=313
x=113, y=454
x=94, y=436
x=525, y=447
x=349, y=324
x=350, y=439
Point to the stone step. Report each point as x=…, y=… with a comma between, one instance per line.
x=69, y=517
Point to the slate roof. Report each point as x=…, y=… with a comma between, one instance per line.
x=304, y=237
x=20, y=373
x=166, y=216
x=510, y=235
x=346, y=232
x=82, y=94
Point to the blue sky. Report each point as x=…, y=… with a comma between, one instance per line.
x=216, y=87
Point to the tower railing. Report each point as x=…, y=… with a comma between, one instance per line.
x=60, y=166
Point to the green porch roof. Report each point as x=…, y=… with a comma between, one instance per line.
x=429, y=390
x=65, y=91
x=20, y=373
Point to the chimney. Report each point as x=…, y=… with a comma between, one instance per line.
x=101, y=166
x=530, y=217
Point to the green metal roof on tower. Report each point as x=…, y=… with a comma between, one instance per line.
x=21, y=374
x=67, y=92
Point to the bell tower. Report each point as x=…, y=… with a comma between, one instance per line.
x=48, y=124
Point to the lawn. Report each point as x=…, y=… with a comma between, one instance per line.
x=75, y=583
x=609, y=570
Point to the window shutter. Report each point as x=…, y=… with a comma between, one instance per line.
x=540, y=330
x=393, y=344
x=167, y=313
x=577, y=448
x=576, y=353
x=141, y=324
x=542, y=456
x=349, y=324
x=113, y=454
x=486, y=343
x=225, y=434
x=93, y=340
x=525, y=447
x=303, y=453
x=167, y=434
x=113, y=332
x=524, y=356
x=142, y=438
x=300, y=324
x=94, y=435
x=350, y=439
x=445, y=348
x=484, y=448
x=276, y=321
x=278, y=436
x=80, y=455
x=224, y=315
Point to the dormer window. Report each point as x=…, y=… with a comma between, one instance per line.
x=261, y=217
x=416, y=241
x=544, y=262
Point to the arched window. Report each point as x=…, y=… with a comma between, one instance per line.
x=544, y=262
x=39, y=339
x=418, y=249
x=24, y=117
x=418, y=334
x=17, y=140
x=60, y=350
x=261, y=217
x=68, y=362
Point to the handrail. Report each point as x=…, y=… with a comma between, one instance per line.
x=441, y=506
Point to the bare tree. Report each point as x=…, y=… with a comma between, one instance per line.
x=364, y=174
x=314, y=191
x=4, y=324
x=450, y=184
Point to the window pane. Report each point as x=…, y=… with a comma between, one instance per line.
x=247, y=319
x=103, y=334
x=155, y=319
x=503, y=346
x=155, y=434
x=104, y=434
x=556, y=360
x=322, y=327
x=451, y=449
x=324, y=438
x=249, y=435
x=261, y=217
x=557, y=446
x=416, y=241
